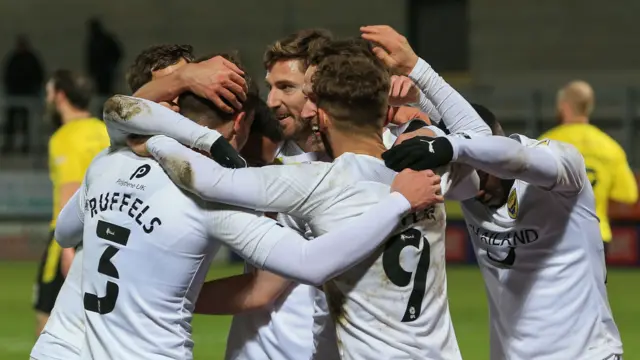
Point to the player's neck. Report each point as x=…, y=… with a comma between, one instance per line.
x=305, y=141
x=576, y=120
x=70, y=114
x=363, y=144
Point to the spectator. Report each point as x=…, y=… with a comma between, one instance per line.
x=23, y=77
x=103, y=55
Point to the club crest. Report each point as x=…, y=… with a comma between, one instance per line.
x=512, y=204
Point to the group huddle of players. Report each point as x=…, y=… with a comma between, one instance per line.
x=332, y=190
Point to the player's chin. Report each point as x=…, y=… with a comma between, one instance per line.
x=288, y=126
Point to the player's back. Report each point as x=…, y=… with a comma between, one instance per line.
x=146, y=254
x=606, y=165
x=394, y=304
x=541, y=256
x=71, y=149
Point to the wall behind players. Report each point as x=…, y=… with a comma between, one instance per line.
x=537, y=42
x=57, y=28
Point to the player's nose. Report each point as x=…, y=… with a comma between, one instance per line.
x=309, y=110
x=273, y=99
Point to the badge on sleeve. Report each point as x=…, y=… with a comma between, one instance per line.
x=512, y=204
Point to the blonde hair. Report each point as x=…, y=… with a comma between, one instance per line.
x=579, y=95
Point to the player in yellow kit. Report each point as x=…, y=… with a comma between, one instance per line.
x=78, y=139
x=606, y=161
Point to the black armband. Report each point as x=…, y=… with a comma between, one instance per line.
x=415, y=124
x=224, y=154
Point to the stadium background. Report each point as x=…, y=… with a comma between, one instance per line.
x=509, y=55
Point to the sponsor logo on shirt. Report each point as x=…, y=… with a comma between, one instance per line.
x=140, y=172
x=521, y=236
x=127, y=184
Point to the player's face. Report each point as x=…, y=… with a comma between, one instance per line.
x=494, y=191
x=286, y=100
x=316, y=117
x=310, y=109
x=53, y=115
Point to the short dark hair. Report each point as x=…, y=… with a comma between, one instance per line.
x=353, y=90
x=266, y=124
x=154, y=58
x=76, y=87
x=489, y=118
x=203, y=110
x=348, y=47
x=296, y=46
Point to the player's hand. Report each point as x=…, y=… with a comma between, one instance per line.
x=403, y=114
x=403, y=91
x=419, y=153
x=420, y=188
x=138, y=144
x=216, y=79
x=392, y=48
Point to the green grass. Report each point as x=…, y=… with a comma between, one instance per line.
x=466, y=294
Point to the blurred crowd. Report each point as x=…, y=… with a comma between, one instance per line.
x=24, y=74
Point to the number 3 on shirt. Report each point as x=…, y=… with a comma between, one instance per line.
x=119, y=235
x=402, y=278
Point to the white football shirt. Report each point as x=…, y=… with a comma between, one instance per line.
x=541, y=256
x=391, y=305
x=285, y=331
x=147, y=249
x=63, y=335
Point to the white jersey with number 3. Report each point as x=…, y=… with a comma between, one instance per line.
x=542, y=259
x=147, y=249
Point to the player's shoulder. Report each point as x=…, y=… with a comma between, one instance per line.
x=352, y=168
x=561, y=149
x=607, y=143
x=120, y=162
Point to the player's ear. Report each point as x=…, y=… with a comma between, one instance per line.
x=238, y=121
x=324, y=121
x=59, y=97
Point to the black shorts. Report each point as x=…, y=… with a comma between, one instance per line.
x=50, y=277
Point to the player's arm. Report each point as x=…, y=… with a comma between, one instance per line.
x=625, y=186
x=70, y=173
x=214, y=79
x=463, y=182
x=277, y=188
x=70, y=223
x=241, y=293
x=551, y=165
x=126, y=115
x=442, y=102
x=270, y=246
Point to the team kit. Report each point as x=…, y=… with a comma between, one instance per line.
x=332, y=190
